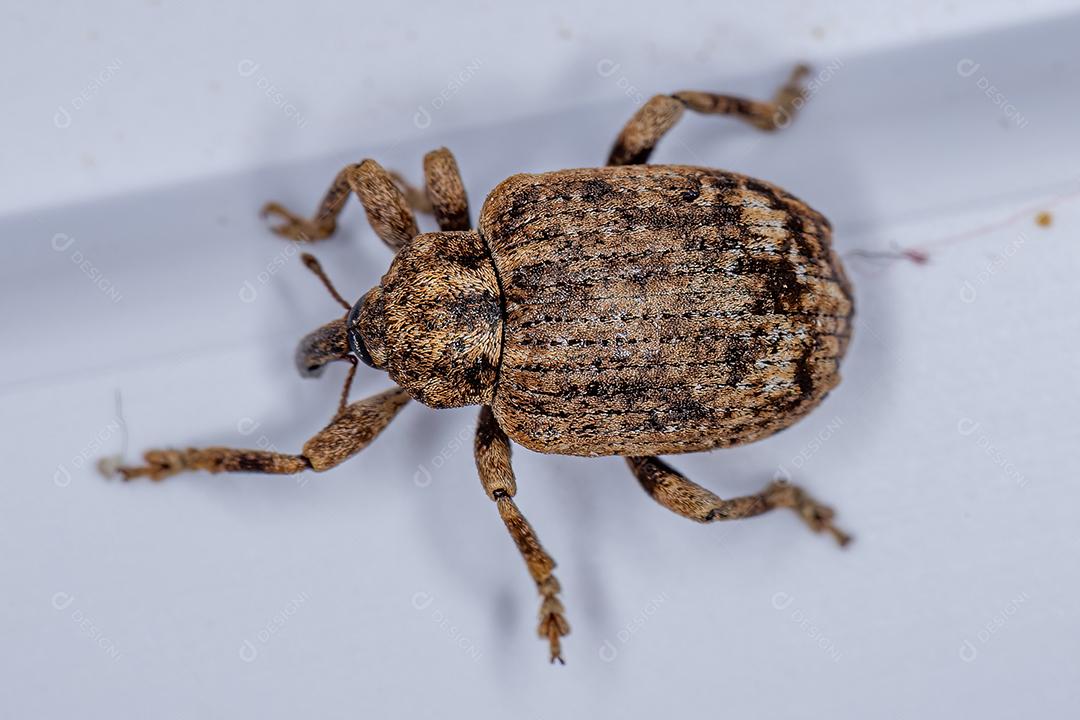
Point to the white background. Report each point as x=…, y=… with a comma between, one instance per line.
x=139, y=140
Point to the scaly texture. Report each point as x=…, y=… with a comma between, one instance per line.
x=435, y=321
x=654, y=310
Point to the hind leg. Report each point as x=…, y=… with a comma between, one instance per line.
x=685, y=497
x=640, y=135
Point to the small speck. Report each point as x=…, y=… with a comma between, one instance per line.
x=1044, y=219
x=88, y=160
x=109, y=466
x=818, y=32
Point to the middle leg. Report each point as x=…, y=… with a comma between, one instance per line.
x=444, y=192
x=493, y=462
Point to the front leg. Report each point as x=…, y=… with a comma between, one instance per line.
x=386, y=207
x=493, y=462
x=348, y=433
x=685, y=497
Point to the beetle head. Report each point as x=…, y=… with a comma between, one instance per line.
x=434, y=323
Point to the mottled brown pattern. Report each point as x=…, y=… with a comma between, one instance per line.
x=321, y=346
x=651, y=122
x=387, y=209
x=492, y=452
x=637, y=140
x=681, y=495
x=660, y=309
x=160, y=464
x=435, y=321
x=631, y=311
x=445, y=190
x=351, y=430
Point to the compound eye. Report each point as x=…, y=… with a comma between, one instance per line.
x=356, y=341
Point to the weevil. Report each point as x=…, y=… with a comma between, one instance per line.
x=631, y=310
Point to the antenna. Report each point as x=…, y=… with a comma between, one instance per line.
x=314, y=266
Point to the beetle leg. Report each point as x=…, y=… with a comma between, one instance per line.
x=493, y=462
x=414, y=196
x=685, y=497
x=640, y=135
x=445, y=190
x=386, y=206
x=351, y=430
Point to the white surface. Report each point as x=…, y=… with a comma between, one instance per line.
x=947, y=449
x=111, y=97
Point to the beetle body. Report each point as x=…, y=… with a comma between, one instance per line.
x=637, y=310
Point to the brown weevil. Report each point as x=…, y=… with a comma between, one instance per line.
x=634, y=310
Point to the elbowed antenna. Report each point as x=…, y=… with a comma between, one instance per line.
x=313, y=265
x=330, y=342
